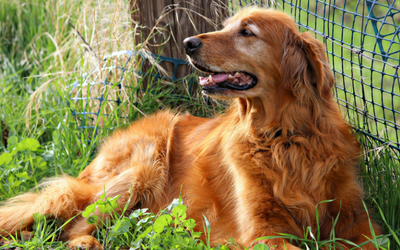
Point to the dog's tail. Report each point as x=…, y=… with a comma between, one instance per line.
x=60, y=198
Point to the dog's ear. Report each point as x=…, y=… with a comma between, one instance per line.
x=304, y=63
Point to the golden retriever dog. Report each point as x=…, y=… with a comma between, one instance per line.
x=260, y=169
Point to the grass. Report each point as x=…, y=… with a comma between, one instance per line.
x=380, y=176
x=42, y=55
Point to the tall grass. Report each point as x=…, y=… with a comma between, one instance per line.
x=380, y=173
x=36, y=61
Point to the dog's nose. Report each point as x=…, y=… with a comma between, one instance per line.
x=192, y=44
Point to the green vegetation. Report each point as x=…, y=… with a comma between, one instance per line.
x=42, y=55
x=380, y=176
x=141, y=230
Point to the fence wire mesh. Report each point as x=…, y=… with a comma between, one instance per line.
x=363, y=47
x=95, y=98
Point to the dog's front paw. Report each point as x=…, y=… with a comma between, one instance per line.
x=86, y=242
x=277, y=244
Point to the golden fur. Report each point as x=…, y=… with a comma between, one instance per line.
x=258, y=170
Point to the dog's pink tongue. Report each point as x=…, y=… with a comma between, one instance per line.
x=212, y=80
x=220, y=77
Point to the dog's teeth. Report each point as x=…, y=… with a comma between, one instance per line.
x=210, y=78
x=237, y=73
x=230, y=76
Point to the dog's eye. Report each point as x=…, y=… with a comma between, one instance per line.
x=246, y=33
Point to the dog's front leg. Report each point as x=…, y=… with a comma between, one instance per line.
x=258, y=214
x=273, y=242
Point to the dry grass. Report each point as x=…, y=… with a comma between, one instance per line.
x=99, y=29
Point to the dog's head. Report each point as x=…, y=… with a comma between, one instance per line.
x=260, y=53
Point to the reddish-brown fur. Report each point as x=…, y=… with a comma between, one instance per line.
x=260, y=169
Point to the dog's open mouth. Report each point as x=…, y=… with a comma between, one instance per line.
x=220, y=82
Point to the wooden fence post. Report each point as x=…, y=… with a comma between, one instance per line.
x=176, y=20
